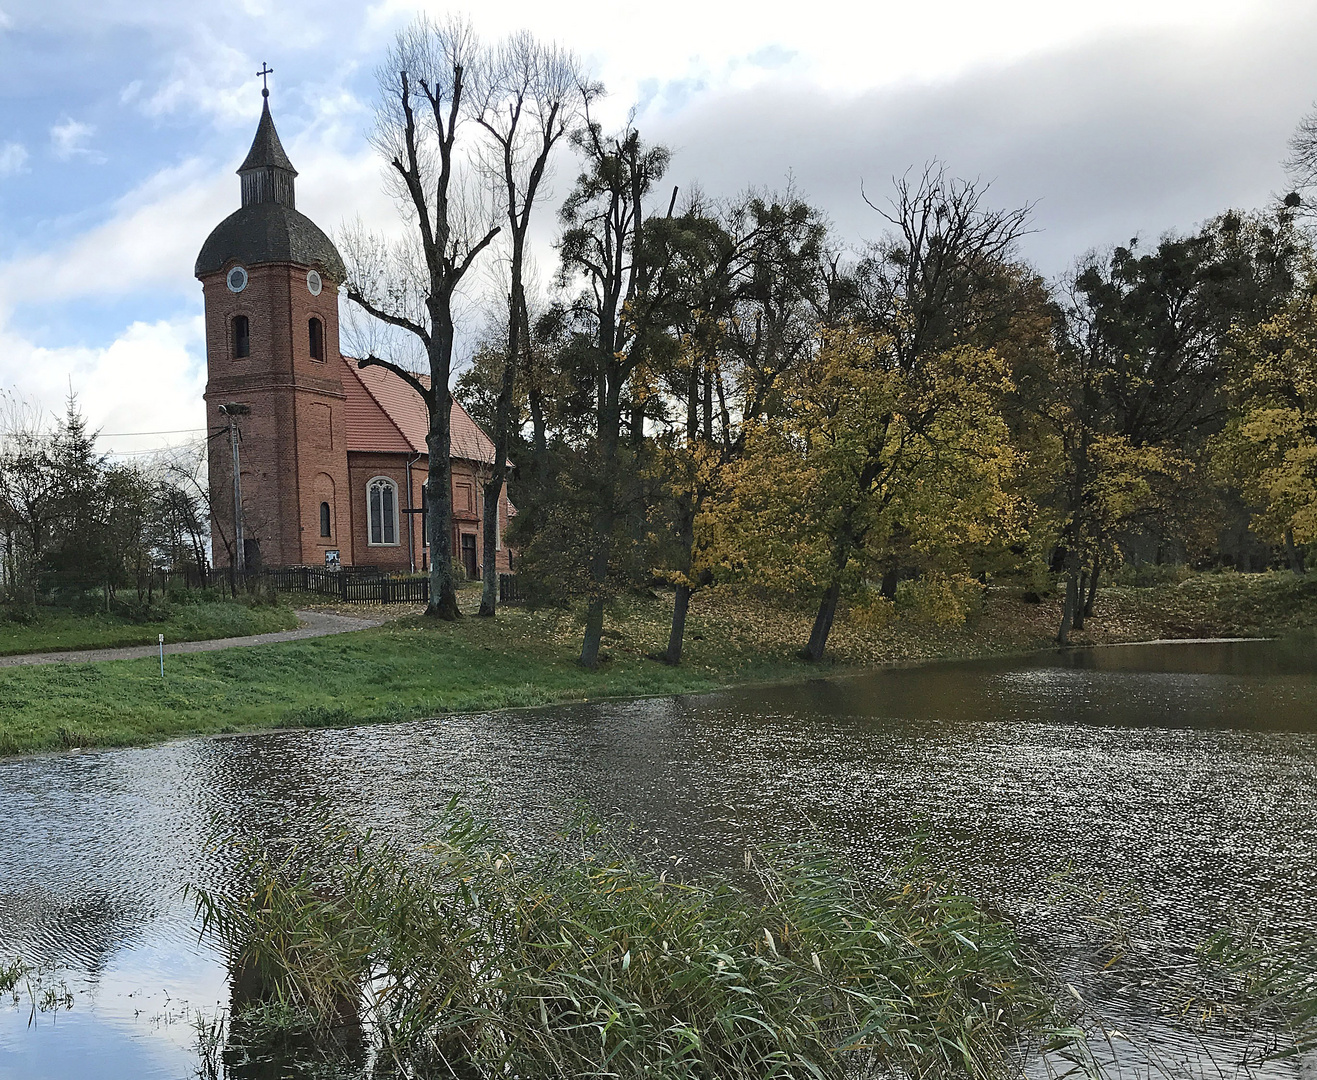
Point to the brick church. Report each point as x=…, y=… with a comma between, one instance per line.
x=332, y=457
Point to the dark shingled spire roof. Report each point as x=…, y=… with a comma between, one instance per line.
x=268, y=228
x=267, y=151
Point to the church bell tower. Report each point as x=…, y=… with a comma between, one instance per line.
x=270, y=279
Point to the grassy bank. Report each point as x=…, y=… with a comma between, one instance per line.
x=412, y=668
x=60, y=630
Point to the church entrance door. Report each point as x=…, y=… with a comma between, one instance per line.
x=469, y=555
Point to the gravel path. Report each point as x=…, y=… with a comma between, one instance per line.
x=310, y=624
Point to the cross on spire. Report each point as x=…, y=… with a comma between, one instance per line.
x=264, y=73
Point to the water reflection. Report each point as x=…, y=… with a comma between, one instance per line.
x=1182, y=777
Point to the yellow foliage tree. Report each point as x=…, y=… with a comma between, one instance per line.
x=861, y=451
x=1269, y=446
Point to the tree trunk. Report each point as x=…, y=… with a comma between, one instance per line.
x=489, y=548
x=1071, y=604
x=594, y=632
x=493, y=493
x=610, y=424
x=890, y=578
x=439, y=503
x=539, y=441
x=679, y=608
x=1092, y=586
x=686, y=526
x=1294, y=553
x=818, y=638
x=502, y=426
x=1081, y=590
x=686, y=537
x=707, y=397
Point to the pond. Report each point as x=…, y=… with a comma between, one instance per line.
x=1179, y=781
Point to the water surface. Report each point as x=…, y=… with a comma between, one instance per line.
x=1180, y=779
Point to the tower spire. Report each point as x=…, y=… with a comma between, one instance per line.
x=267, y=174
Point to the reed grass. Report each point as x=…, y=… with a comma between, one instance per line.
x=12, y=972
x=469, y=958
x=1245, y=980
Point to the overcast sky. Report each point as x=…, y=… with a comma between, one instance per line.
x=122, y=124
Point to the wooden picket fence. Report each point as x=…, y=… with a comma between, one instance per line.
x=353, y=584
x=510, y=590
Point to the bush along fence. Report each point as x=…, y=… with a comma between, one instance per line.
x=351, y=584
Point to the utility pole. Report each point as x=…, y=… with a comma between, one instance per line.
x=233, y=410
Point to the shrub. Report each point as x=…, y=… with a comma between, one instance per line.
x=21, y=607
x=1150, y=575
x=143, y=609
x=940, y=599
x=870, y=610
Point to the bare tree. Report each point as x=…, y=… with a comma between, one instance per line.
x=1301, y=165
x=411, y=286
x=531, y=96
x=188, y=509
x=27, y=488
x=930, y=281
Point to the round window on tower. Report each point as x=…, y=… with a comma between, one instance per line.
x=313, y=283
x=237, y=279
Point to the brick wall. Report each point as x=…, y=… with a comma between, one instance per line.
x=363, y=468
x=293, y=443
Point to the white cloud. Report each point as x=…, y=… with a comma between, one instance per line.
x=13, y=156
x=149, y=378
x=837, y=45
x=1116, y=137
x=150, y=242
x=152, y=238
x=68, y=140
x=213, y=81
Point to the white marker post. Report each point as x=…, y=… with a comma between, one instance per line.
x=162, y=656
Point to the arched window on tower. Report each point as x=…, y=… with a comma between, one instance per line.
x=324, y=519
x=316, y=330
x=242, y=340
x=382, y=511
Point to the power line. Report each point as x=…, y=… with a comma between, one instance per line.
x=153, y=450
x=121, y=434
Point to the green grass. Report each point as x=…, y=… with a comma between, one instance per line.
x=56, y=630
x=415, y=668
x=410, y=668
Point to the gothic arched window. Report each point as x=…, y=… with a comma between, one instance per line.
x=382, y=510
x=324, y=519
x=242, y=339
x=316, y=331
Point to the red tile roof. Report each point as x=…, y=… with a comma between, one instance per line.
x=385, y=415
